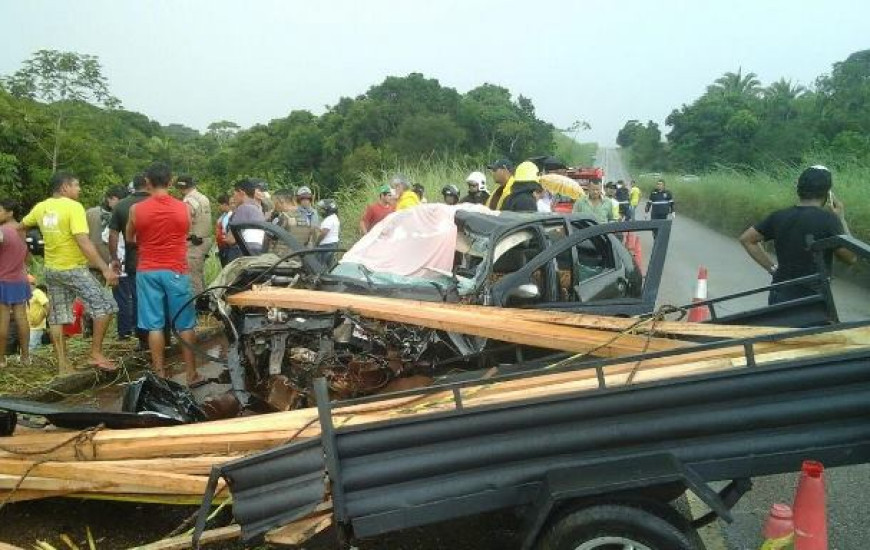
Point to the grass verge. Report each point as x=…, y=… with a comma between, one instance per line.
x=573, y=152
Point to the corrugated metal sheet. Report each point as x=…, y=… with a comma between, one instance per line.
x=276, y=487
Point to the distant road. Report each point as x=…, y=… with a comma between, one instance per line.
x=731, y=270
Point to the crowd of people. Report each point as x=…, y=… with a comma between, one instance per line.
x=146, y=245
x=150, y=247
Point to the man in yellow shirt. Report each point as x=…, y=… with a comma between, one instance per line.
x=407, y=198
x=633, y=199
x=503, y=174
x=68, y=249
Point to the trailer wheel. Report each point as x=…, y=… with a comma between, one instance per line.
x=615, y=527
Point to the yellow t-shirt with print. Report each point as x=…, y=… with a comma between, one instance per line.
x=60, y=219
x=408, y=199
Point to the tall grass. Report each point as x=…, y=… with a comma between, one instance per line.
x=731, y=201
x=573, y=152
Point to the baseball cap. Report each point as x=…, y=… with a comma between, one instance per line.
x=384, y=189
x=501, y=163
x=304, y=192
x=184, y=182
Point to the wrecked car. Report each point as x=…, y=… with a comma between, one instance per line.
x=432, y=253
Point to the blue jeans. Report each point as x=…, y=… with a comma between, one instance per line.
x=125, y=295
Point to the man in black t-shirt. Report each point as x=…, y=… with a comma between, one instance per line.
x=127, y=281
x=817, y=215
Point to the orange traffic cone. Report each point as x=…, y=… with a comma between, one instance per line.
x=637, y=252
x=810, y=515
x=701, y=313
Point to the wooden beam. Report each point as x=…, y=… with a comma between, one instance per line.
x=485, y=322
x=300, y=531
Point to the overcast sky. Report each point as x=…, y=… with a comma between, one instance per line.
x=249, y=61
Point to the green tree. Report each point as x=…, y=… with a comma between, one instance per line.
x=736, y=84
x=223, y=131
x=61, y=79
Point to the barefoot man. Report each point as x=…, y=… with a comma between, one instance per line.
x=159, y=226
x=68, y=250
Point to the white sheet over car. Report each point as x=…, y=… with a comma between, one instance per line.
x=416, y=242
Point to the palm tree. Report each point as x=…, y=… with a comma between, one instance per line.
x=784, y=89
x=779, y=98
x=736, y=84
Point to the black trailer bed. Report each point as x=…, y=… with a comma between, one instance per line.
x=740, y=423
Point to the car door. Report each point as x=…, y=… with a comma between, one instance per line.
x=604, y=278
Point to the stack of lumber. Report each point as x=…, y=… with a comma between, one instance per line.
x=171, y=464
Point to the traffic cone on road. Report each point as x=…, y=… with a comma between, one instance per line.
x=632, y=244
x=810, y=514
x=700, y=313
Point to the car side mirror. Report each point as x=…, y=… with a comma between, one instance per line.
x=527, y=291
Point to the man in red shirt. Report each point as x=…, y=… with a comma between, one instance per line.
x=159, y=226
x=378, y=210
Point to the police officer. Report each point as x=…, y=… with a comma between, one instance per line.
x=661, y=203
x=199, y=240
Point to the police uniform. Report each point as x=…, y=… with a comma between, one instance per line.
x=200, y=239
x=660, y=204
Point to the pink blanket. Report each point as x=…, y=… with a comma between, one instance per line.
x=412, y=242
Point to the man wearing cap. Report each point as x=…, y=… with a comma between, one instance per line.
x=200, y=240
x=306, y=215
x=477, y=193
x=406, y=197
x=377, y=210
x=817, y=215
x=503, y=174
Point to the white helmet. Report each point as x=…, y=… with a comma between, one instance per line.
x=478, y=178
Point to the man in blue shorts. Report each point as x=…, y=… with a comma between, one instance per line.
x=159, y=226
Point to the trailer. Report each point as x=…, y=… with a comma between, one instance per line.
x=588, y=469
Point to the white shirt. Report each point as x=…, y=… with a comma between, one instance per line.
x=333, y=226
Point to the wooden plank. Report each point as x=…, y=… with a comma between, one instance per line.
x=300, y=531
x=182, y=542
x=83, y=471
x=449, y=317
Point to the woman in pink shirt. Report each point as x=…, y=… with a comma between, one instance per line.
x=14, y=288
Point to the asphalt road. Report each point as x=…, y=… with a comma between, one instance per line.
x=730, y=270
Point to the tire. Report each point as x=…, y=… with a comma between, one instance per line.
x=615, y=527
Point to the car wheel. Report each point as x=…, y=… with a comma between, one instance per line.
x=615, y=527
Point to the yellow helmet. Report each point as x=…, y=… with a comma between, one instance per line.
x=526, y=171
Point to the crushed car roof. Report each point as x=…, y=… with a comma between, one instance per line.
x=484, y=224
